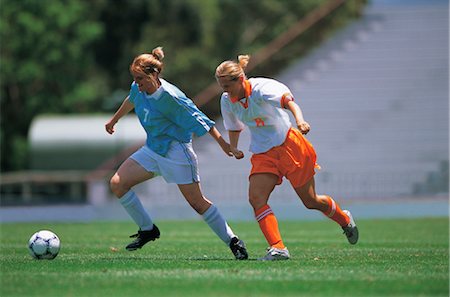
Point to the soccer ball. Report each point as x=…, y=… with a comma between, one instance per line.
x=44, y=244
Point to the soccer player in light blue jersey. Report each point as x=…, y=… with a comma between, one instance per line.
x=169, y=118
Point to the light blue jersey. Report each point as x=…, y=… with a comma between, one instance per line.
x=168, y=115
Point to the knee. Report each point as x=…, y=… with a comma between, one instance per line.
x=256, y=201
x=118, y=187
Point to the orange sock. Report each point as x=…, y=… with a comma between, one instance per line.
x=335, y=213
x=269, y=226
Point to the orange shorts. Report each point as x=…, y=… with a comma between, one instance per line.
x=295, y=159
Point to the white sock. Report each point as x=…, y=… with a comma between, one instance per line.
x=134, y=208
x=218, y=224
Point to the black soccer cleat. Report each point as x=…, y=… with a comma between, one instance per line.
x=237, y=246
x=142, y=237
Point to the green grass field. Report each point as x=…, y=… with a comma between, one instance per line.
x=407, y=257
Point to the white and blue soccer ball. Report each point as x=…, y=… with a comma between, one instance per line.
x=44, y=244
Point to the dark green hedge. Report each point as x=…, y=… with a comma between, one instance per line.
x=72, y=56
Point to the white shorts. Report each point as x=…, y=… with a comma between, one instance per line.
x=179, y=166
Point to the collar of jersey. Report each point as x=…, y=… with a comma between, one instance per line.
x=247, y=92
x=156, y=94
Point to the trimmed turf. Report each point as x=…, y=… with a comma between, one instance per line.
x=407, y=257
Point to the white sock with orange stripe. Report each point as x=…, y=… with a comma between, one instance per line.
x=335, y=213
x=269, y=226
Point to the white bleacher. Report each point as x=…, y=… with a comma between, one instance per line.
x=376, y=96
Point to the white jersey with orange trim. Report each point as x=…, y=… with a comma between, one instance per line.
x=262, y=111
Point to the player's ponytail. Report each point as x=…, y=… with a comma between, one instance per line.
x=149, y=63
x=243, y=61
x=231, y=69
x=158, y=53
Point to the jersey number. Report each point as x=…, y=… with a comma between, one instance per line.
x=146, y=112
x=259, y=122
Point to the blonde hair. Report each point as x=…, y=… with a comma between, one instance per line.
x=233, y=70
x=149, y=63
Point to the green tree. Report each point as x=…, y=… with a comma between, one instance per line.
x=47, y=65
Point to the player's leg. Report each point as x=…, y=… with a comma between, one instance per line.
x=129, y=174
x=212, y=216
x=193, y=195
x=260, y=188
x=328, y=207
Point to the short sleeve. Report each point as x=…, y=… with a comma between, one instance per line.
x=184, y=113
x=276, y=93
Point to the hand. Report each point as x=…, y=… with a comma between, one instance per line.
x=237, y=153
x=226, y=148
x=303, y=127
x=109, y=127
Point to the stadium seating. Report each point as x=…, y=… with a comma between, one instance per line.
x=376, y=96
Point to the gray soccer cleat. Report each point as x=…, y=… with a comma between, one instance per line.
x=351, y=231
x=274, y=254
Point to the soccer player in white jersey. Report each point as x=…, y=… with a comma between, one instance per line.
x=169, y=118
x=279, y=150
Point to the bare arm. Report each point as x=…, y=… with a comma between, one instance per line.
x=234, y=139
x=125, y=108
x=298, y=115
x=223, y=144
